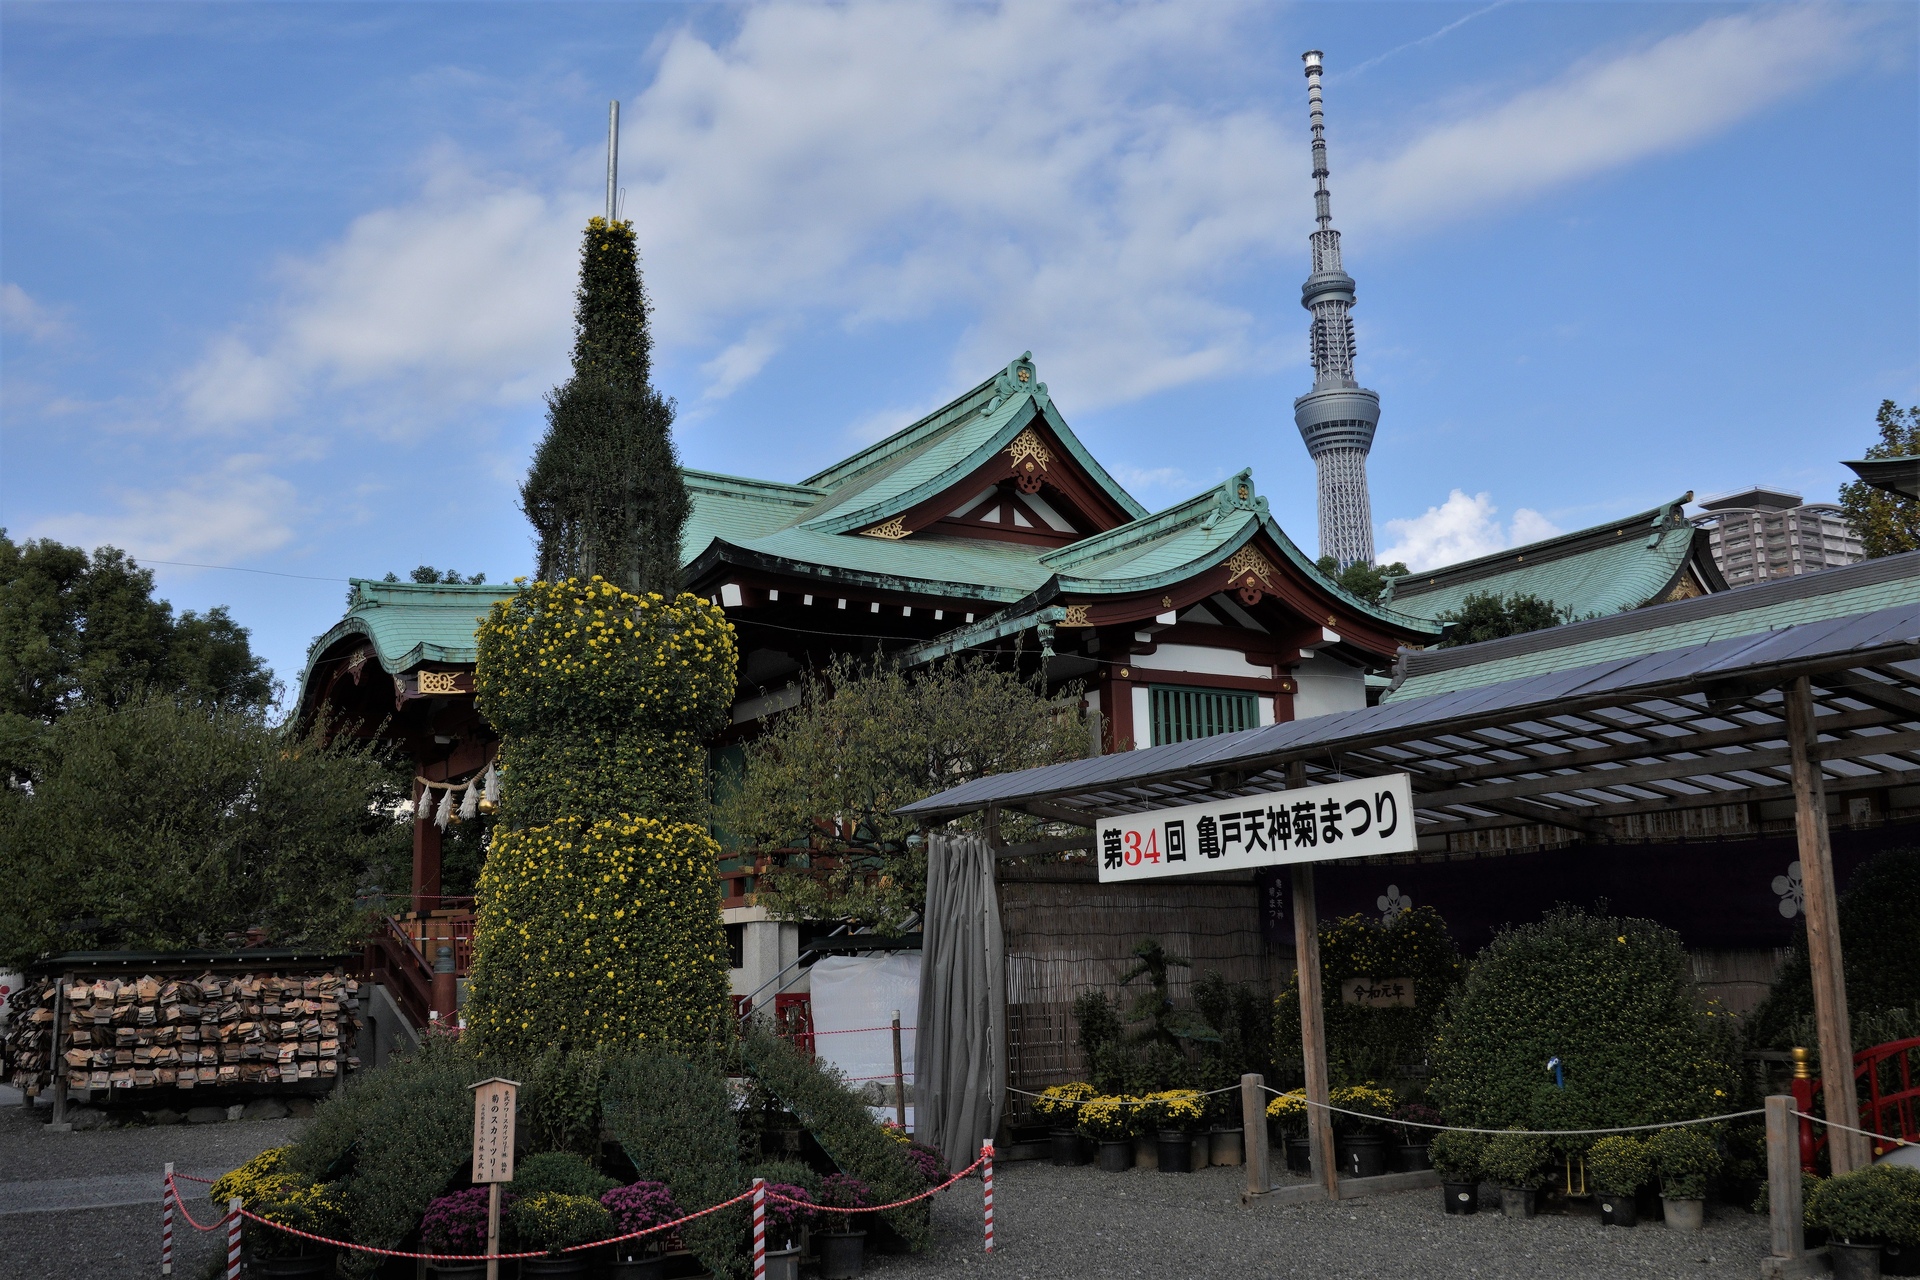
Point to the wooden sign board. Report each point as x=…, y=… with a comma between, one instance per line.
x=1357, y=819
x=1378, y=993
x=493, y=1120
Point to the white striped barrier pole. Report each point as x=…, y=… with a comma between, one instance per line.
x=986, y=1154
x=233, y=1239
x=759, y=1229
x=166, y=1222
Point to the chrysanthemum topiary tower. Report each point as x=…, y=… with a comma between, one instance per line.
x=599, y=913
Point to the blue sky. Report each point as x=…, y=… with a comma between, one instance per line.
x=283, y=284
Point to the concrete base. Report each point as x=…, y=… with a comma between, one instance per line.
x=1315, y=1193
x=1814, y=1262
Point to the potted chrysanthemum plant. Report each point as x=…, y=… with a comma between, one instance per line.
x=842, y=1241
x=641, y=1206
x=1061, y=1104
x=1686, y=1159
x=1516, y=1161
x=1412, y=1134
x=1107, y=1121
x=456, y=1225
x=1361, y=1111
x=1618, y=1166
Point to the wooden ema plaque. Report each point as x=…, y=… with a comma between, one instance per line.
x=493, y=1118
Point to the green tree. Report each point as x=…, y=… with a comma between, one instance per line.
x=604, y=492
x=1490, y=615
x=86, y=631
x=165, y=824
x=1886, y=522
x=427, y=575
x=864, y=740
x=1361, y=579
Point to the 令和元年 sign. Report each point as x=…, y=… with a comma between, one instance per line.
x=1354, y=819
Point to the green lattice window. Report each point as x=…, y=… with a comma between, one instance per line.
x=1180, y=715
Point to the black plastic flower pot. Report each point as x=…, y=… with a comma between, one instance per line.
x=1617, y=1211
x=842, y=1253
x=1299, y=1155
x=1066, y=1147
x=564, y=1267
x=300, y=1267
x=1176, y=1151
x=1460, y=1197
x=1116, y=1157
x=782, y=1264
x=1854, y=1261
x=648, y=1267
x=462, y=1271
x=1362, y=1155
x=1519, y=1202
x=1900, y=1259
x=1410, y=1157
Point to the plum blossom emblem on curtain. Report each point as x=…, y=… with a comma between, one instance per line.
x=1393, y=903
x=1793, y=894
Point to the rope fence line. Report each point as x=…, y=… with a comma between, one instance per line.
x=1882, y=1137
x=757, y=1193
x=1532, y=1133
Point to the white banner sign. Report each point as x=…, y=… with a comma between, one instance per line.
x=1313, y=824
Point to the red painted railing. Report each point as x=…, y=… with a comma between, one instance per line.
x=395, y=962
x=1883, y=1080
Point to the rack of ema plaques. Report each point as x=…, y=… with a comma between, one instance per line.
x=150, y=1039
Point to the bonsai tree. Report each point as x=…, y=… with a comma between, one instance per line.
x=1100, y=1038
x=1685, y=1159
x=1457, y=1156
x=1619, y=1164
x=840, y=1193
x=641, y=1206
x=1108, y=1117
x=1516, y=1160
x=1879, y=1204
x=554, y=1220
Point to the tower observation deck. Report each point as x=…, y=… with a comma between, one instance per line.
x=1336, y=418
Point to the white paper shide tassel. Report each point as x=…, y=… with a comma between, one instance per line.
x=470, y=802
x=491, y=786
x=424, y=809
x=445, y=812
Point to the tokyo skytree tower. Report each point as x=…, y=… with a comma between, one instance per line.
x=1338, y=416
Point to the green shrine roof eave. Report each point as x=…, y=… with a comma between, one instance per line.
x=1871, y=585
x=409, y=624
x=996, y=573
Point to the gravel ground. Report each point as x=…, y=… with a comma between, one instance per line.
x=1064, y=1224
x=99, y=1167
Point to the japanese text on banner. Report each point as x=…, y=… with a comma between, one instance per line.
x=1313, y=824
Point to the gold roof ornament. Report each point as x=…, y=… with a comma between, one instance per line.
x=893, y=530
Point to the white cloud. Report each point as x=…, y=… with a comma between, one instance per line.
x=1461, y=528
x=20, y=313
x=1039, y=169
x=1159, y=480
x=235, y=513
x=1604, y=115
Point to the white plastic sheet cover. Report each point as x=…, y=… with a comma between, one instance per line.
x=852, y=992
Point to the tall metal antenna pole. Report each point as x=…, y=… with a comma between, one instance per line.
x=613, y=158
x=1336, y=418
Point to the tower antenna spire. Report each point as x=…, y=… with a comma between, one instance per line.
x=613, y=158
x=1337, y=418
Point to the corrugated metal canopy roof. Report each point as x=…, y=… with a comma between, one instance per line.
x=1687, y=727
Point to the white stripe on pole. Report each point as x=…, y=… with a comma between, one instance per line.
x=166, y=1221
x=233, y=1238
x=759, y=1229
x=986, y=1154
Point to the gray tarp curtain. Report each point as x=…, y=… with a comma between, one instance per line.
x=961, y=1057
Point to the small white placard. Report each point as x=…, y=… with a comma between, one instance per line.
x=1355, y=819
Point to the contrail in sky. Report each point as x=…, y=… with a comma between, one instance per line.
x=1426, y=39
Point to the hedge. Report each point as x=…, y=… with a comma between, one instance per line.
x=1613, y=999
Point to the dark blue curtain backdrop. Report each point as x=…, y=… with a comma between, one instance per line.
x=1713, y=893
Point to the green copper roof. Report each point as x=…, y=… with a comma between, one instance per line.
x=1591, y=572
x=411, y=623
x=1767, y=606
x=971, y=568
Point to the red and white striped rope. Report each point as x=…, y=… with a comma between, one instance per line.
x=878, y=1208
x=188, y=1213
x=849, y=1031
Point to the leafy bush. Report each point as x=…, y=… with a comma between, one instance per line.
x=1613, y=999
x=560, y=1171
x=599, y=918
x=841, y=1124
x=1107, y=1118
x=394, y=1138
x=553, y=1220
x=1289, y=1111
x=1879, y=1204
x=1365, y=1043
x=457, y=1223
x=673, y=1116
x=1880, y=922
x=1619, y=1164
x=842, y=1192
x=1171, y=1109
x=1375, y=1102
x=1685, y=1159
x=1062, y=1101
x=1099, y=1034
x=1457, y=1156
x=1242, y=1036
x=1515, y=1159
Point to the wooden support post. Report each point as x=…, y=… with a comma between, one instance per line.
x=1846, y=1151
x=426, y=859
x=1253, y=1128
x=1784, y=1213
x=1313, y=1038
x=57, y=1064
x=899, y=1078
x=493, y=1230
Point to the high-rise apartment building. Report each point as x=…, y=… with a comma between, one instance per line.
x=1760, y=534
